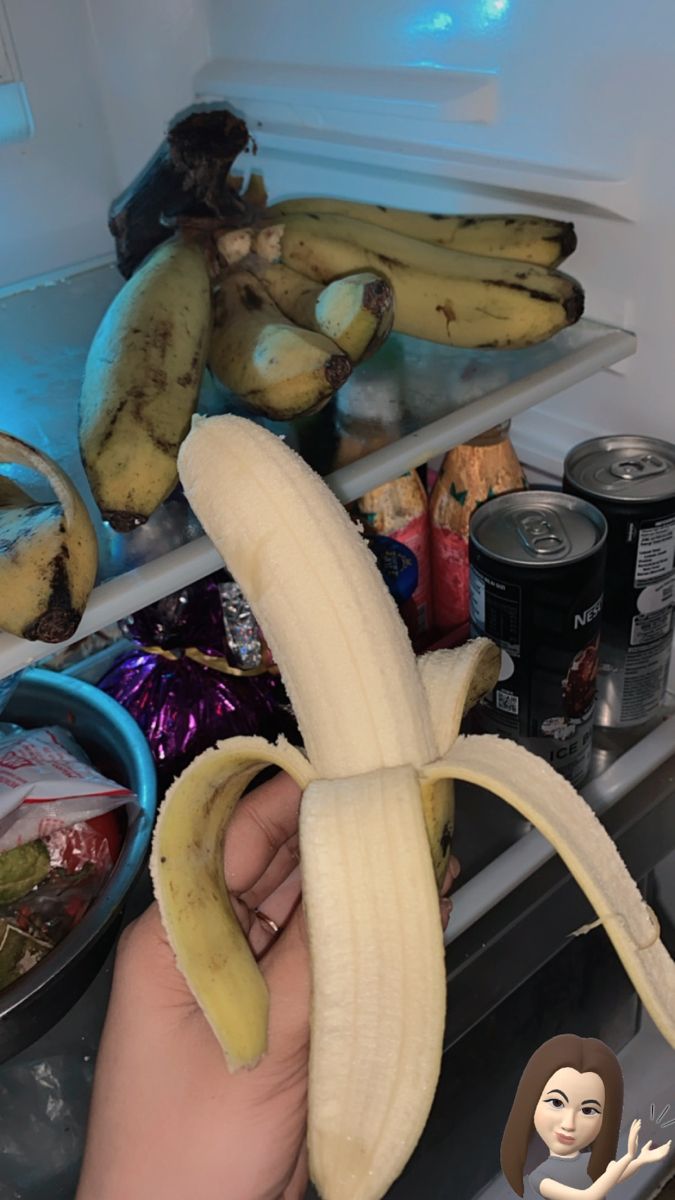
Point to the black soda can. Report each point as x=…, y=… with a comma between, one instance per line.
x=631, y=479
x=537, y=563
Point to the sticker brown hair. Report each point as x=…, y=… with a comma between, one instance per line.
x=582, y=1054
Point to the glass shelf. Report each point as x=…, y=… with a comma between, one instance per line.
x=410, y=402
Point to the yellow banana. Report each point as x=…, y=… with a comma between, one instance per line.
x=442, y=295
x=142, y=380
x=519, y=236
x=381, y=750
x=48, y=552
x=356, y=312
x=273, y=365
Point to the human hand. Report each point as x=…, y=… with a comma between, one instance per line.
x=167, y=1118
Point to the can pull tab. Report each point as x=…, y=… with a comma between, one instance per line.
x=542, y=533
x=638, y=468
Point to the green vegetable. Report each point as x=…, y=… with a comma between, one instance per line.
x=21, y=868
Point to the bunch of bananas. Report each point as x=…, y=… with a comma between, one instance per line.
x=485, y=282
x=284, y=309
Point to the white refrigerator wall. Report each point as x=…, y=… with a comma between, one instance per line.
x=102, y=79
x=563, y=108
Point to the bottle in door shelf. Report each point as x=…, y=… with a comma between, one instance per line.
x=399, y=510
x=470, y=474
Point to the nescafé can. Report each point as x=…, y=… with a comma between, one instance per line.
x=632, y=481
x=537, y=563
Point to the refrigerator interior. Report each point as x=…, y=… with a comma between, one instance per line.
x=473, y=106
x=481, y=105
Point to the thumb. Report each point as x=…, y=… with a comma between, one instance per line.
x=286, y=967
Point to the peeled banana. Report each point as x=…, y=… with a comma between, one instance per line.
x=443, y=295
x=381, y=751
x=273, y=365
x=142, y=380
x=356, y=312
x=48, y=552
x=525, y=238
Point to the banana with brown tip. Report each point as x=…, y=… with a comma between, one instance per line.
x=141, y=382
x=273, y=365
x=356, y=311
x=526, y=238
x=443, y=295
x=48, y=551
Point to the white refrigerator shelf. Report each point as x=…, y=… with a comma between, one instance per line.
x=415, y=398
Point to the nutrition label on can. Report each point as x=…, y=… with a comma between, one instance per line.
x=499, y=618
x=650, y=627
x=644, y=681
x=656, y=550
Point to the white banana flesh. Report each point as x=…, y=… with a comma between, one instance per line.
x=523, y=237
x=273, y=365
x=380, y=735
x=142, y=380
x=49, y=552
x=381, y=937
x=283, y=529
x=443, y=295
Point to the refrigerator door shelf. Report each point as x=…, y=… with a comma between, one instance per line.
x=276, y=93
x=418, y=398
x=403, y=120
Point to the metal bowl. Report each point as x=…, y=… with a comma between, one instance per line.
x=117, y=748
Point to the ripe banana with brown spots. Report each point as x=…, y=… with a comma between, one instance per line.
x=356, y=312
x=141, y=382
x=526, y=238
x=273, y=365
x=48, y=551
x=381, y=751
x=443, y=295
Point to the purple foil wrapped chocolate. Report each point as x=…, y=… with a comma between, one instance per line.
x=183, y=706
x=199, y=674
x=191, y=617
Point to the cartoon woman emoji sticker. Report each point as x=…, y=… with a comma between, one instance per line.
x=571, y=1093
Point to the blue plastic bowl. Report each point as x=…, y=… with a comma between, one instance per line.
x=116, y=746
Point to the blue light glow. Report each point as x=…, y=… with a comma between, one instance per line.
x=468, y=17
x=16, y=119
x=434, y=22
x=494, y=10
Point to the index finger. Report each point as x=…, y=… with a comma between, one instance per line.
x=261, y=824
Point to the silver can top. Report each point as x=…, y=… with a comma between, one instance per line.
x=623, y=467
x=537, y=528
